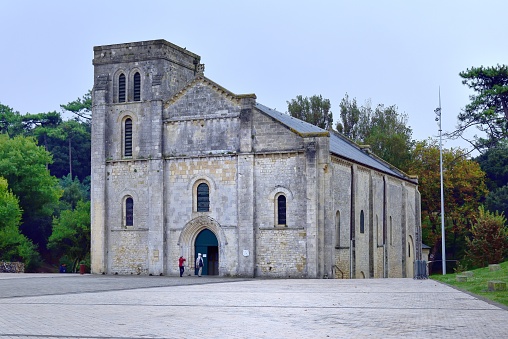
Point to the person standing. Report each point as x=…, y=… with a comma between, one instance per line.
x=199, y=264
x=181, y=265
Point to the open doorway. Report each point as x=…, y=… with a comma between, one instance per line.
x=207, y=244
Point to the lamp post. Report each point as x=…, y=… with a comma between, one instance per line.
x=438, y=119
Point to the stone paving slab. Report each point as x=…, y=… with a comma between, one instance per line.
x=87, y=306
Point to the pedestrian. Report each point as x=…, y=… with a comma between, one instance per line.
x=199, y=264
x=181, y=265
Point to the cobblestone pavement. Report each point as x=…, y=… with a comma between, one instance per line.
x=90, y=306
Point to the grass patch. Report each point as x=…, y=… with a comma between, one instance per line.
x=477, y=284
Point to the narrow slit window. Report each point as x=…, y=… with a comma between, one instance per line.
x=203, y=194
x=137, y=87
x=281, y=210
x=121, y=88
x=129, y=212
x=128, y=138
x=337, y=229
x=362, y=222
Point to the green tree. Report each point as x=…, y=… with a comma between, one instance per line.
x=10, y=121
x=353, y=119
x=23, y=165
x=489, y=238
x=497, y=200
x=81, y=107
x=389, y=136
x=314, y=110
x=488, y=109
x=71, y=233
x=384, y=129
x=464, y=190
x=494, y=162
x=74, y=191
x=13, y=245
x=71, y=147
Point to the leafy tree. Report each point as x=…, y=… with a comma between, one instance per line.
x=464, y=190
x=488, y=109
x=82, y=107
x=389, y=137
x=314, y=110
x=10, y=121
x=23, y=164
x=354, y=119
x=74, y=191
x=497, y=200
x=489, y=242
x=71, y=146
x=384, y=129
x=494, y=162
x=71, y=233
x=13, y=245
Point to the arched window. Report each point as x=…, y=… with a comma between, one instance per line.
x=129, y=212
x=128, y=137
x=203, y=198
x=337, y=229
x=281, y=210
x=137, y=87
x=121, y=88
x=362, y=222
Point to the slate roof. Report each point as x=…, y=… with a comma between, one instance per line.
x=339, y=144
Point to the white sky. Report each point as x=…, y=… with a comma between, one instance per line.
x=392, y=52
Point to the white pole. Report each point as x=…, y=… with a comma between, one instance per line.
x=443, y=251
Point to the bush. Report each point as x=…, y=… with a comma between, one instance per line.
x=489, y=242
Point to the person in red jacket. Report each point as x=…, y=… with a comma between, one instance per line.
x=181, y=265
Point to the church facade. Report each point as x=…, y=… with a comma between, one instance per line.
x=181, y=166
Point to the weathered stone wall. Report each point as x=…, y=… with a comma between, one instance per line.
x=362, y=204
x=394, y=228
x=281, y=252
x=129, y=251
x=269, y=135
x=377, y=225
x=164, y=68
x=276, y=174
x=182, y=175
x=341, y=194
x=284, y=165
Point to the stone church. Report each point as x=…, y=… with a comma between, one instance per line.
x=181, y=166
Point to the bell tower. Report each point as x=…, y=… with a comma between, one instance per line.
x=131, y=83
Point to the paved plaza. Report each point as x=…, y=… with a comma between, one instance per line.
x=102, y=306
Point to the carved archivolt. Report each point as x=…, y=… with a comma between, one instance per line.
x=196, y=225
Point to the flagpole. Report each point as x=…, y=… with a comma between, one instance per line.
x=443, y=248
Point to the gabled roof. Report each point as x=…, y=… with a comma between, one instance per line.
x=212, y=84
x=339, y=144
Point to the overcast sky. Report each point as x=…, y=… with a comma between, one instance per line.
x=391, y=52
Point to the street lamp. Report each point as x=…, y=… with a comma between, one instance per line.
x=438, y=119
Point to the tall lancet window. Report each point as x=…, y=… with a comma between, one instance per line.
x=137, y=87
x=121, y=88
x=128, y=137
x=281, y=210
x=203, y=195
x=129, y=212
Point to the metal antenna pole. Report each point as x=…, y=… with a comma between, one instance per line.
x=443, y=250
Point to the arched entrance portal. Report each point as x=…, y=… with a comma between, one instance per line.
x=207, y=244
